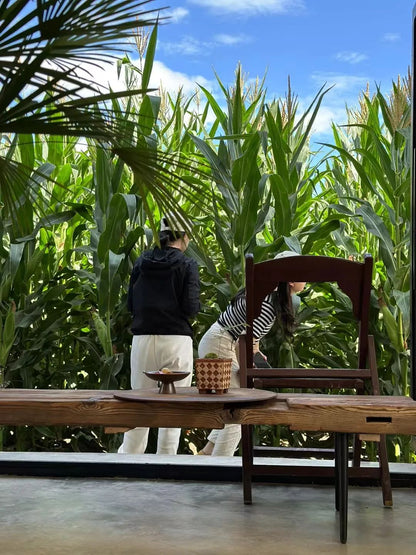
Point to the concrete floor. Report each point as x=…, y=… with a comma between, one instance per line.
x=88, y=516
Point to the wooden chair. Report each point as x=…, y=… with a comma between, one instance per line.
x=354, y=279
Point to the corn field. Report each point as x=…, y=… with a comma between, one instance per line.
x=77, y=208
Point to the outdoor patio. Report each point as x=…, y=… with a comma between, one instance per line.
x=61, y=515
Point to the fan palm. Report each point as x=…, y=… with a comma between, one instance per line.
x=42, y=45
x=49, y=51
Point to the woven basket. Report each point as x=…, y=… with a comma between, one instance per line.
x=213, y=375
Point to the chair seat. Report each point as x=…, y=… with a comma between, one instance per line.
x=309, y=383
x=364, y=373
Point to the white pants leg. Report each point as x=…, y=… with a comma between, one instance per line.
x=150, y=353
x=218, y=340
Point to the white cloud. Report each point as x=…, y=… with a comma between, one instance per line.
x=391, y=37
x=190, y=46
x=106, y=77
x=351, y=57
x=230, y=39
x=344, y=93
x=187, y=45
x=172, y=80
x=340, y=82
x=100, y=77
x=162, y=78
x=327, y=115
x=248, y=7
x=176, y=15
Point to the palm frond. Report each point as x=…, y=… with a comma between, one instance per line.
x=48, y=52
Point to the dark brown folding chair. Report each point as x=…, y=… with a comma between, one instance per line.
x=354, y=279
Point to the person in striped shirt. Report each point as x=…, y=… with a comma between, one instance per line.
x=221, y=338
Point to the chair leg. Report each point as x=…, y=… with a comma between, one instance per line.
x=247, y=461
x=385, y=472
x=356, y=461
x=341, y=486
x=337, y=467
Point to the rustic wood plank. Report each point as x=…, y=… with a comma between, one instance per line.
x=384, y=416
x=146, y=408
x=309, y=412
x=108, y=411
x=350, y=400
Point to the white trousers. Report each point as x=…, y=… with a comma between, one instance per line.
x=218, y=340
x=150, y=353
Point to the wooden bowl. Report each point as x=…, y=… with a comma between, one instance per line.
x=165, y=381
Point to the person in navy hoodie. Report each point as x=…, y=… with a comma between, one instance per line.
x=163, y=297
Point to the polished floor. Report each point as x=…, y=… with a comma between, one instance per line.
x=103, y=516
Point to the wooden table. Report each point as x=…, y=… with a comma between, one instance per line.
x=342, y=414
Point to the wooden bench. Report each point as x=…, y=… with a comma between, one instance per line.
x=102, y=408
x=342, y=414
x=366, y=414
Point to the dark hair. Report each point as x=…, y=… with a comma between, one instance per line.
x=168, y=236
x=283, y=306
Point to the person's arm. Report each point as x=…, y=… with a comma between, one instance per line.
x=190, y=300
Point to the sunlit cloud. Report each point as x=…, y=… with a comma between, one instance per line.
x=172, y=81
x=351, y=57
x=166, y=79
x=327, y=115
x=251, y=7
x=231, y=39
x=100, y=76
x=187, y=45
x=343, y=93
x=190, y=46
x=391, y=37
x=176, y=15
x=162, y=77
x=340, y=82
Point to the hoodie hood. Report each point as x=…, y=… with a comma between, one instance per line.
x=160, y=260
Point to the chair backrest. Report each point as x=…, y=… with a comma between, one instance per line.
x=353, y=278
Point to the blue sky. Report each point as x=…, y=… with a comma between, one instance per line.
x=343, y=43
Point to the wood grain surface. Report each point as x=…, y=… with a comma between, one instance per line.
x=335, y=413
x=188, y=409
x=191, y=395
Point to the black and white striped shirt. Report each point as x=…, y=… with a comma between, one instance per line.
x=234, y=318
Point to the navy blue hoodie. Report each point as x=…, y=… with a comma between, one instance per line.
x=163, y=293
